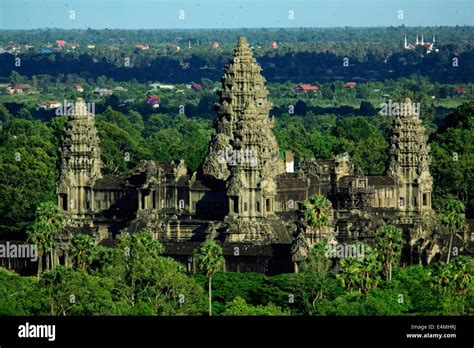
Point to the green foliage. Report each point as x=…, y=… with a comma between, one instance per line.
x=316, y=211
x=20, y=295
x=389, y=242
x=238, y=307
x=361, y=274
x=364, y=143
x=453, y=158
x=150, y=284
x=453, y=218
x=454, y=286
x=81, y=250
x=76, y=293
x=48, y=223
x=209, y=257
x=28, y=172
x=120, y=151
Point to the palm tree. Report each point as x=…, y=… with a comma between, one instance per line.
x=350, y=273
x=370, y=269
x=81, y=250
x=443, y=277
x=463, y=275
x=210, y=259
x=363, y=274
x=38, y=235
x=316, y=211
x=389, y=242
x=454, y=220
x=49, y=221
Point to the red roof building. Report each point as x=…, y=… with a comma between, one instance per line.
x=460, y=89
x=304, y=87
x=61, y=43
x=196, y=86
x=153, y=100
x=351, y=84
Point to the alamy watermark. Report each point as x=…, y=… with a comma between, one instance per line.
x=76, y=109
x=396, y=109
x=21, y=251
x=232, y=156
x=341, y=251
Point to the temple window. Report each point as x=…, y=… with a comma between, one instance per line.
x=401, y=202
x=425, y=199
x=235, y=201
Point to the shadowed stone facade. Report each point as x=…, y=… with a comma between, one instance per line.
x=242, y=195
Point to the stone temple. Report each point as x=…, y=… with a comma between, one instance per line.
x=245, y=196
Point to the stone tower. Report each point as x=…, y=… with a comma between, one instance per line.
x=409, y=162
x=80, y=164
x=244, y=152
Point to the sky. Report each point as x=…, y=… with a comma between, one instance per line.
x=219, y=14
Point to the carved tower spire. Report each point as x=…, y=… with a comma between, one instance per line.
x=80, y=163
x=410, y=160
x=244, y=152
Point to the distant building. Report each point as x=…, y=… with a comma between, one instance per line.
x=351, y=84
x=48, y=105
x=289, y=162
x=13, y=48
x=103, y=91
x=61, y=43
x=215, y=45
x=120, y=89
x=161, y=86
x=79, y=88
x=274, y=45
x=154, y=101
x=175, y=48
x=196, y=86
x=142, y=47
x=18, y=89
x=429, y=46
x=460, y=89
x=304, y=87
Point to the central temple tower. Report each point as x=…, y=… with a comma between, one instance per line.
x=244, y=152
x=409, y=162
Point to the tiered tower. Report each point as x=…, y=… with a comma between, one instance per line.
x=244, y=152
x=409, y=162
x=80, y=164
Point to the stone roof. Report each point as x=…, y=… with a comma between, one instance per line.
x=380, y=180
x=109, y=183
x=290, y=181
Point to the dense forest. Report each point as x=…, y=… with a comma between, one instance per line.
x=133, y=279
x=334, y=119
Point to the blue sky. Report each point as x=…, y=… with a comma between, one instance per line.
x=164, y=14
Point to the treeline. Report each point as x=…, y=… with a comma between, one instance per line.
x=389, y=35
x=447, y=66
